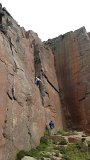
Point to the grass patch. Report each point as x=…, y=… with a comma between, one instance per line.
x=43, y=150
x=21, y=154
x=74, y=152
x=47, y=149
x=66, y=133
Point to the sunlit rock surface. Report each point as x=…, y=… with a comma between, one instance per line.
x=25, y=108
x=63, y=65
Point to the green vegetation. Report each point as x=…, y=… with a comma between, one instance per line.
x=75, y=152
x=66, y=133
x=21, y=154
x=45, y=149
x=48, y=149
x=63, y=141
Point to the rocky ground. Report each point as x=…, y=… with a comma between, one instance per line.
x=62, y=146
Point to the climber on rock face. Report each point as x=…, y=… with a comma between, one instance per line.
x=0, y=6
x=37, y=81
x=2, y=26
x=1, y=13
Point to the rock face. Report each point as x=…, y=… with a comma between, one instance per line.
x=25, y=109
x=72, y=55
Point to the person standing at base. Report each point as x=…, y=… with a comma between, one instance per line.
x=51, y=127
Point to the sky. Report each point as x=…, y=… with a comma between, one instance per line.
x=50, y=18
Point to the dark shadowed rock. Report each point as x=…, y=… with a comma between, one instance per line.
x=72, y=59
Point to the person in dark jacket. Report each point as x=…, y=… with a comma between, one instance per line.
x=51, y=127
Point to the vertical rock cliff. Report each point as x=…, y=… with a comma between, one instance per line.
x=25, y=108
x=72, y=58
x=63, y=65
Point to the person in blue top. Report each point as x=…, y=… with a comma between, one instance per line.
x=51, y=127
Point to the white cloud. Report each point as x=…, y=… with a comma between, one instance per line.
x=50, y=18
